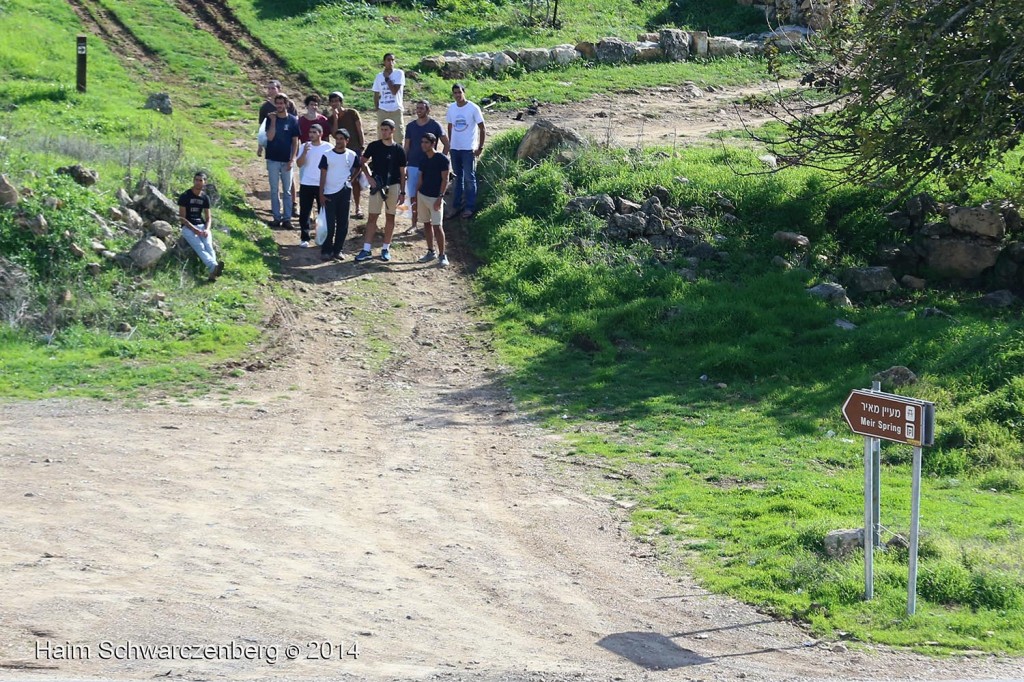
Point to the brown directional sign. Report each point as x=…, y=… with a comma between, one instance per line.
x=890, y=417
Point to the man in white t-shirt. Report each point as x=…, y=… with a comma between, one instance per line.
x=388, y=90
x=466, y=133
x=308, y=162
x=338, y=167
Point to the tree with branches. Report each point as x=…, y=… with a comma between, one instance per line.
x=911, y=89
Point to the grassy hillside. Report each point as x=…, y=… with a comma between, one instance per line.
x=718, y=400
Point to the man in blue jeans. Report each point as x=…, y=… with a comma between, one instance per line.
x=467, y=133
x=194, y=214
x=282, y=148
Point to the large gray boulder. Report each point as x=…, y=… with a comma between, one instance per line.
x=980, y=222
x=154, y=205
x=831, y=293
x=501, y=63
x=86, y=177
x=9, y=195
x=535, y=58
x=600, y=205
x=147, y=252
x=699, y=43
x=543, y=138
x=563, y=55
x=860, y=281
x=161, y=102
x=614, y=51
x=958, y=258
x=720, y=46
x=841, y=543
x=675, y=44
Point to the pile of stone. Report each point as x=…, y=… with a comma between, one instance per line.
x=669, y=44
x=815, y=14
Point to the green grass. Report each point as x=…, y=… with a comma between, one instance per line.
x=609, y=344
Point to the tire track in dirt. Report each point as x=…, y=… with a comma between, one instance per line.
x=116, y=35
x=257, y=61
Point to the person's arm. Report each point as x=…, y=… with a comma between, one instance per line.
x=295, y=150
x=364, y=169
x=323, y=182
x=444, y=188
x=401, y=186
x=271, y=125
x=392, y=85
x=482, y=130
x=376, y=92
x=208, y=218
x=188, y=225
x=405, y=142
x=419, y=181
x=446, y=142
x=301, y=161
x=359, y=128
x=357, y=169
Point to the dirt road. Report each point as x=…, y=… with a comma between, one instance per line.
x=373, y=486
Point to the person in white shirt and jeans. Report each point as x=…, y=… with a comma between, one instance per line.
x=467, y=133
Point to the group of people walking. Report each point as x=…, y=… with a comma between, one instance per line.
x=408, y=164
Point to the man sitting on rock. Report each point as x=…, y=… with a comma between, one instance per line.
x=196, y=224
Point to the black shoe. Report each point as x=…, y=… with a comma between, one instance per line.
x=275, y=223
x=286, y=224
x=217, y=270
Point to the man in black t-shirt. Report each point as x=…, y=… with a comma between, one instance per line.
x=430, y=189
x=384, y=164
x=196, y=224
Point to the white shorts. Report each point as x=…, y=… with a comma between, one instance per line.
x=425, y=208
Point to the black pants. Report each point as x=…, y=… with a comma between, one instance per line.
x=337, y=221
x=307, y=193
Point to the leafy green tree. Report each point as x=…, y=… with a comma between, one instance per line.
x=913, y=89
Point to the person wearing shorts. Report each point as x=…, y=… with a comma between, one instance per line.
x=388, y=91
x=430, y=189
x=414, y=132
x=383, y=163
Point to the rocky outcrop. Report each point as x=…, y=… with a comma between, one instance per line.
x=87, y=177
x=543, y=138
x=147, y=252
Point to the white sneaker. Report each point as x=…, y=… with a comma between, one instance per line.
x=443, y=261
x=304, y=245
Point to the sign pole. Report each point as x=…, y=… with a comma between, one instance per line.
x=876, y=491
x=869, y=568
x=81, y=63
x=915, y=522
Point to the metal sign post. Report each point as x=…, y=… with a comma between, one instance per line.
x=877, y=416
x=81, y=63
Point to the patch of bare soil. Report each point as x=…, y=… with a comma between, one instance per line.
x=116, y=36
x=339, y=495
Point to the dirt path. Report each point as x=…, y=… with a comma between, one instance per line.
x=374, y=486
x=116, y=36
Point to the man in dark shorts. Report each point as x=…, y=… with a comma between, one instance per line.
x=430, y=189
x=383, y=163
x=196, y=224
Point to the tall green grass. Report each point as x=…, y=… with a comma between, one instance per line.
x=611, y=344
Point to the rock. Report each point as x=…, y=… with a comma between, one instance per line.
x=9, y=195
x=719, y=46
x=133, y=220
x=958, y=258
x=86, y=177
x=1003, y=298
x=109, y=255
x=124, y=327
x=981, y=222
x=687, y=274
x=625, y=206
x=900, y=220
x=53, y=203
x=895, y=377
x=831, y=293
x=860, y=281
x=699, y=43
x=587, y=49
x=76, y=250
x=502, y=62
x=647, y=37
x=116, y=213
x=654, y=225
x=122, y=197
x=792, y=239
x=1004, y=272
x=675, y=44
x=627, y=226
x=93, y=268
x=614, y=51
x=600, y=205
x=432, y=64
x=782, y=263
x=845, y=324
x=563, y=55
x=535, y=58
x=97, y=247
x=455, y=68
x=147, y=252
x=155, y=206
x=915, y=283
x=662, y=194
x=37, y=225
x=691, y=90
x=787, y=38
x=842, y=543
x=935, y=230
x=543, y=138
x=652, y=207
x=769, y=160
x=161, y=229
x=648, y=52
x=1015, y=252
x=161, y=102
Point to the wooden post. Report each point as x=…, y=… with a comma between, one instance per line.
x=81, y=63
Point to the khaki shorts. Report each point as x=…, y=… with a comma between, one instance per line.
x=425, y=207
x=377, y=201
x=399, y=120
